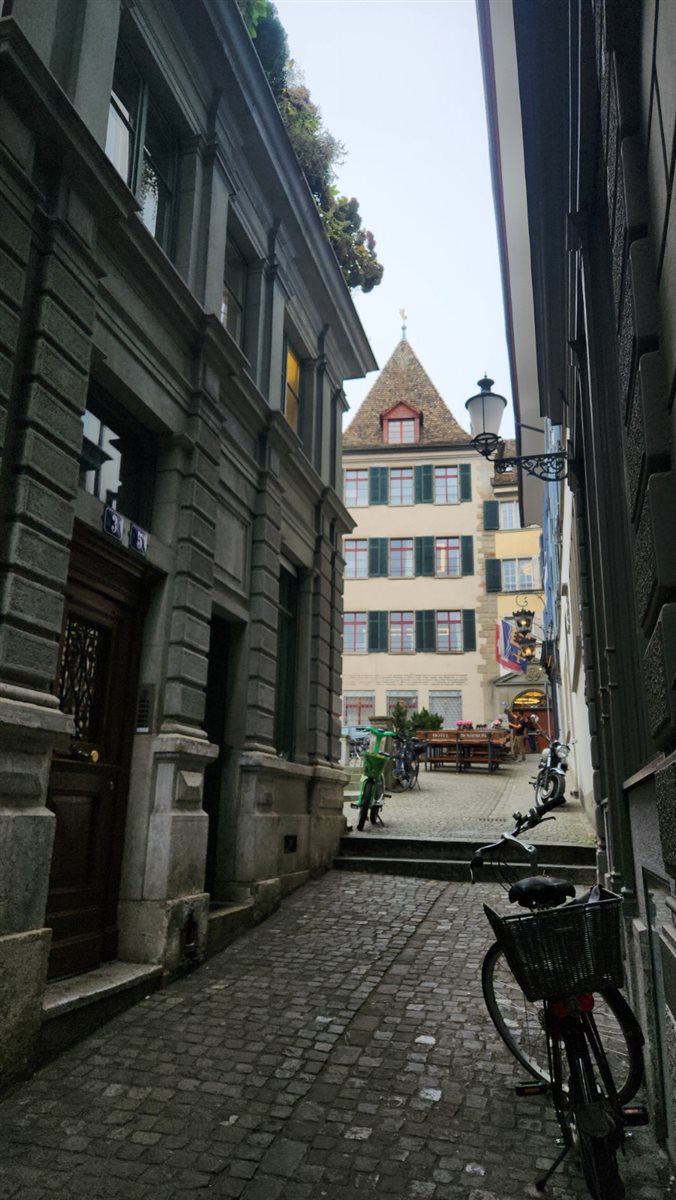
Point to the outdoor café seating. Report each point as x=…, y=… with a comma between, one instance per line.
x=466, y=748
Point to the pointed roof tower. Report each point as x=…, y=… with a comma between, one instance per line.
x=403, y=380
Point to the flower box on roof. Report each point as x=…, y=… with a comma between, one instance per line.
x=401, y=425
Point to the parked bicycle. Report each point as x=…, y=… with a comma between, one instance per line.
x=407, y=753
x=371, y=784
x=551, y=984
x=550, y=780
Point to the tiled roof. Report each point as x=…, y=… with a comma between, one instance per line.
x=403, y=380
x=508, y=477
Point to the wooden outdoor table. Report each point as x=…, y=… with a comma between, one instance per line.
x=464, y=749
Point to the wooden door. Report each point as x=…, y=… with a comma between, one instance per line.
x=90, y=771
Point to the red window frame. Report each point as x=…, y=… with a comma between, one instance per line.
x=401, y=556
x=450, y=548
x=401, y=485
x=359, y=479
x=365, y=703
x=355, y=630
x=356, y=552
x=449, y=629
x=397, y=427
x=402, y=633
x=446, y=481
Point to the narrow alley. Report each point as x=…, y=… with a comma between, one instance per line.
x=341, y=1048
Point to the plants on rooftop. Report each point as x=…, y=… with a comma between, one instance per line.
x=317, y=150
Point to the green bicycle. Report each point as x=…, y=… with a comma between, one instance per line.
x=371, y=784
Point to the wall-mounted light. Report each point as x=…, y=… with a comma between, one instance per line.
x=485, y=414
x=523, y=619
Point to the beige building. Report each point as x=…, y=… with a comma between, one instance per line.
x=435, y=556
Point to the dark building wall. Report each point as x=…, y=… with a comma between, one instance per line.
x=112, y=315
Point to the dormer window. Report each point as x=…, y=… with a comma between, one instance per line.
x=401, y=426
x=401, y=433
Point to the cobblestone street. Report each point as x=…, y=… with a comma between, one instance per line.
x=340, y=1049
x=475, y=804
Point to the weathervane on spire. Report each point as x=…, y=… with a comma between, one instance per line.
x=402, y=314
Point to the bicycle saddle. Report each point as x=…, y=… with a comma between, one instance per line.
x=540, y=890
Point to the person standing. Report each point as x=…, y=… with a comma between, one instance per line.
x=518, y=726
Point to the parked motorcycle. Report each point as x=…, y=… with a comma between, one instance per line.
x=550, y=781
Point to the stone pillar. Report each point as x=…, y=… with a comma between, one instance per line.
x=48, y=281
x=164, y=910
x=336, y=649
x=163, y=906
x=303, y=705
x=271, y=375
x=27, y=733
x=264, y=607
x=322, y=613
x=188, y=649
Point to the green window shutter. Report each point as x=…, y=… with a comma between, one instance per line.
x=377, y=632
x=377, y=556
x=491, y=514
x=424, y=556
x=378, y=484
x=493, y=575
x=467, y=555
x=465, y=481
x=424, y=484
x=468, y=629
x=425, y=630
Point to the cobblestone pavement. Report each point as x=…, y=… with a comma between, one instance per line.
x=475, y=804
x=339, y=1050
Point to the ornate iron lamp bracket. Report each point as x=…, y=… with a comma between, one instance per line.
x=548, y=467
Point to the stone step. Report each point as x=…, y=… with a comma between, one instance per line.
x=456, y=870
x=371, y=845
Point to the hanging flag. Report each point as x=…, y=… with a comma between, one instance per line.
x=507, y=649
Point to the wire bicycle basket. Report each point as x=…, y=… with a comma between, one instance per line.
x=575, y=948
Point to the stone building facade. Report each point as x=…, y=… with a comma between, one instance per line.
x=175, y=334
x=436, y=555
x=584, y=179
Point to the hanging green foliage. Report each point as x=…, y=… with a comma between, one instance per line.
x=318, y=151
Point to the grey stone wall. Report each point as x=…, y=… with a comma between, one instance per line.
x=89, y=299
x=634, y=67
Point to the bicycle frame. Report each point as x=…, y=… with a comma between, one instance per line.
x=373, y=767
x=591, y=1112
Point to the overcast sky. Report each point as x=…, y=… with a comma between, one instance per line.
x=399, y=83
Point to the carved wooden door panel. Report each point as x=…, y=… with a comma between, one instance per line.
x=89, y=775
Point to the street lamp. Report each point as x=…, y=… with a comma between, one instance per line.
x=527, y=646
x=485, y=414
x=523, y=619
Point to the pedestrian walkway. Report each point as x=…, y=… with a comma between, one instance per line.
x=340, y=1049
x=474, y=804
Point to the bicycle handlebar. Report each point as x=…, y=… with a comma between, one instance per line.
x=532, y=818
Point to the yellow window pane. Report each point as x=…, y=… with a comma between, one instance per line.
x=291, y=411
x=292, y=372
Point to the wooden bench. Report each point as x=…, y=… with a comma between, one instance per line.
x=465, y=748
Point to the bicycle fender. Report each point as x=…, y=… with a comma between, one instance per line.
x=595, y=1119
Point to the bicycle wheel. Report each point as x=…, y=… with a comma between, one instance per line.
x=365, y=804
x=406, y=778
x=520, y=1024
x=377, y=802
x=593, y=1126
